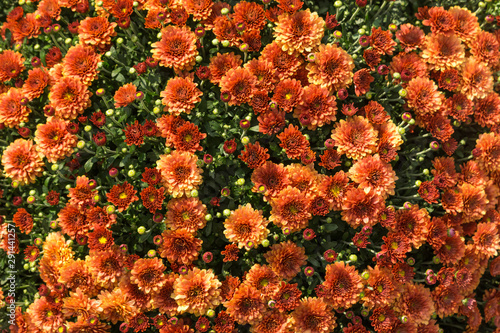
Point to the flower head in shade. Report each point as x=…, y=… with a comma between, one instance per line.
x=254, y=155
x=45, y=314
x=487, y=110
x=106, y=266
x=488, y=152
x=12, y=112
x=477, y=81
x=290, y=209
x=23, y=220
x=313, y=315
x=355, y=137
x=188, y=137
x=486, y=239
x=271, y=122
x=244, y=225
x=382, y=41
x=230, y=253
x=410, y=37
x=330, y=159
x=200, y=10
x=395, y=247
x=287, y=94
x=246, y=305
x=474, y=200
x=423, y=96
x=35, y=84
x=440, y=20
x=180, y=95
x=229, y=285
x=116, y=306
x=240, y=83
x=22, y=162
x=152, y=198
x=179, y=246
x=269, y=179
x=225, y=29
x=342, y=285
x=72, y=221
x=264, y=72
x=318, y=105
x=81, y=195
x=180, y=173
x=442, y=52
x=409, y=65
x=362, y=80
x=264, y=279
x=373, y=174
x=251, y=14
x=467, y=25
x=162, y=298
x=96, y=32
x=122, y=195
x=332, y=68
x=382, y=288
x=148, y=274
x=286, y=259
x=186, y=213
x=100, y=239
x=361, y=207
x=301, y=31
x=69, y=97
x=53, y=56
x=285, y=65
x=293, y=141
x=81, y=62
x=11, y=65
x=197, y=291
x=176, y=49
x=221, y=64
x=54, y=141
x=272, y=321
x=449, y=79
x=125, y=95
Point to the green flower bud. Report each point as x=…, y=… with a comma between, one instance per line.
x=141, y=230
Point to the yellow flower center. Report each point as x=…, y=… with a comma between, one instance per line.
x=103, y=240
x=394, y=245
x=123, y=195
x=288, y=96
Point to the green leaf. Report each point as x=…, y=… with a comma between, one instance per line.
x=88, y=165
x=144, y=236
x=115, y=72
x=331, y=227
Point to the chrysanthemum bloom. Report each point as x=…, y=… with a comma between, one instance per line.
x=122, y=195
x=98, y=216
x=187, y=138
x=69, y=97
x=100, y=239
x=12, y=112
x=445, y=175
x=318, y=105
x=390, y=139
x=116, y=306
x=486, y=240
x=151, y=176
x=410, y=37
x=35, y=84
x=224, y=322
x=246, y=305
x=225, y=29
x=176, y=49
x=488, y=152
x=45, y=315
x=251, y=14
x=362, y=207
x=125, y=95
x=442, y=52
x=186, y=213
x=200, y=9
x=260, y=102
x=148, y=274
x=423, y=97
x=96, y=32
x=446, y=300
x=382, y=41
x=72, y=221
x=152, y=198
x=22, y=162
x=162, y=300
x=197, y=291
x=293, y=142
x=477, y=81
x=467, y=25
x=53, y=139
x=221, y=64
x=374, y=175
x=290, y=209
x=269, y=179
x=372, y=58
x=53, y=56
x=264, y=71
x=79, y=304
x=330, y=159
x=180, y=246
x=355, y=137
x=81, y=62
x=285, y=65
x=287, y=94
x=341, y=287
x=451, y=251
x=475, y=200
x=449, y=79
x=240, y=83
x=180, y=95
x=485, y=48
x=362, y=80
x=244, y=225
x=11, y=65
x=272, y=321
x=107, y=266
x=395, y=247
x=413, y=223
x=440, y=21
x=81, y=195
x=264, y=279
x=254, y=155
x=180, y=174
x=428, y=191
x=287, y=297
x=409, y=65
x=286, y=259
x=332, y=68
x=335, y=188
x=487, y=110
x=23, y=220
x=313, y=315
x=301, y=31
x=415, y=302
x=303, y=177
x=381, y=288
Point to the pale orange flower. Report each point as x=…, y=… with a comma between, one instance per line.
x=477, y=81
x=442, y=52
x=355, y=137
x=22, y=162
x=246, y=305
x=53, y=139
x=179, y=246
x=69, y=97
x=284, y=64
x=485, y=48
x=372, y=174
x=96, y=32
x=313, y=315
x=180, y=173
x=35, y=84
x=467, y=25
x=200, y=9
x=176, y=49
x=186, y=213
x=246, y=225
x=11, y=65
x=125, y=95
x=286, y=259
x=180, y=95
x=240, y=84
x=81, y=62
x=221, y=64
x=116, y=306
x=12, y=113
x=148, y=274
x=290, y=209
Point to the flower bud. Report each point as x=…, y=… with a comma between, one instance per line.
x=141, y=230
x=245, y=140
x=226, y=212
x=194, y=193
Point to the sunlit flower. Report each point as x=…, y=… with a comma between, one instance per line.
x=273, y=321
x=286, y=259
x=487, y=110
x=341, y=287
x=293, y=142
x=423, y=96
x=148, y=274
x=373, y=174
x=246, y=305
x=221, y=64
x=152, y=198
x=409, y=66
x=290, y=209
x=475, y=200
x=187, y=138
x=179, y=172
x=35, y=84
x=382, y=41
x=53, y=139
x=287, y=94
x=488, y=152
x=251, y=14
x=355, y=137
x=162, y=298
x=362, y=80
x=245, y=225
x=240, y=83
x=486, y=240
x=200, y=10
x=78, y=304
x=81, y=62
x=122, y=195
x=285, y=65
x=313, y=315
x=442, y=52
x=318, y=105
x=302, y=31
x=186, y=213
x=477, y=81
x=22, y=162
x=440, y=20
x=410, y=37
x=12, y=112
x=415, y=303
x=125, y=95
x=96, y=32
x=23, y=220
x=116, y=306
x=180, y=95
x=69, y=97
x=467, y=25
x=179, y=246
x=225, y=29
x=11, y=65
x=45, y=314
x=176, y=49
x=361, y=207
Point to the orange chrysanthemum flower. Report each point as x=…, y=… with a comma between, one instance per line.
x=82, y=195
x=180, y=173
x=12, y=112
x=221, y=64
x=273, y=321
x=362, y=207
x=23, y=220
x=423, y=97
x=125, y=95
x=264, y=71
x=72, y=221
x=35, y=84
x=440, y=20
x=97, y=32
x=362, y=80
x=486, y=239
x=477, y=81
x=69, y=97
x=290, y=209
x=487, y=152
x=246, y=226
x=341, y=287
x=54, y=141
x=293, y=142
x=303, y=177
x=442, y=52
x=107, y=267
x=45, y=315
x=317, y=105
x=148, y=274
x=188, y=137
x=176, y=49
x=100, y=239
x=186, y=213
x=355, y=137
x=263, y=279
x=180, y=246
x=313, y=315
x=487, y=110
x=410, y=37
x=22, y=162
x=409, y=65
x=81, y=62
x=286, y=259
x=332, y=68
x=162, y=298
x=240, y=84
x=413, y=223
x=287, y=94
x=475, y=201
x=116, y=306
x=251, y=14
x=11, y=65
x=467, y=25
x=302, y=31
x=254, y=155
x=180, y=95
x=200, y=9
x=122, y=195
x=415, y=302
x=230, y=253
x=374, y=175
x=246, y=305
x=197, y=291
x=381, y=288
x=381, y=41
x=152, y=198
x=285, y=65
x=335, y=188
x=269, y=179
x=225, y=29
